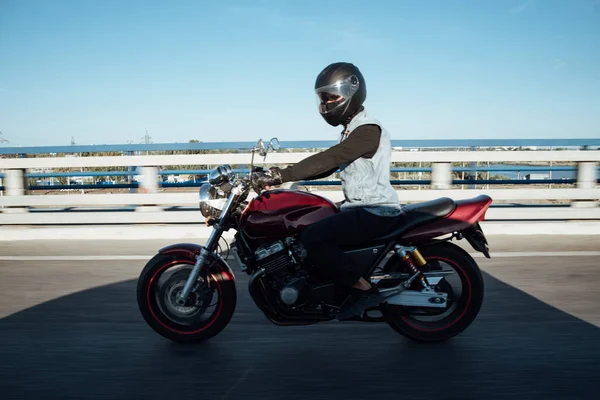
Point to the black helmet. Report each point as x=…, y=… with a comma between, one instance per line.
x=341, y=91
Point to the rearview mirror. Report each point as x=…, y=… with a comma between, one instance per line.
x=274, y=143
x=260, y=147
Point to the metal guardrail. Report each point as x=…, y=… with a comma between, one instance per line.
x=242, y=159
x=19, y=207
x=481, y=168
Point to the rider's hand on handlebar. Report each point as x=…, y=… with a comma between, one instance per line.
x=266, y=179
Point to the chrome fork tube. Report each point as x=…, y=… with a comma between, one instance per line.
x=212, y=239
x=211, y=243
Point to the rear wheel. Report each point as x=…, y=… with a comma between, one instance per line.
x=211, y=303
x=465, y=291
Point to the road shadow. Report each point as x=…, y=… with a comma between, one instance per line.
x=94, y=344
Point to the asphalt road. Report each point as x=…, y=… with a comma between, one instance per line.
x=70, y=328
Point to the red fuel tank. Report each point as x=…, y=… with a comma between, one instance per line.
x=280, y=213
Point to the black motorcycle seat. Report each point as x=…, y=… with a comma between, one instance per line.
x=428, y=210
x=417, y=214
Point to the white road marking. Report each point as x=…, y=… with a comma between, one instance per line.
x=73, y=258
x=519, y=254
x=507, y=254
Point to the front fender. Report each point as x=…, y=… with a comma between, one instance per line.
x=191, y=251
x=187, y=250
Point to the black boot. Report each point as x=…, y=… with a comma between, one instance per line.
x=359, y=301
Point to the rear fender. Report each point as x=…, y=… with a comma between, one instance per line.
x=190, y=251
x=477, y=239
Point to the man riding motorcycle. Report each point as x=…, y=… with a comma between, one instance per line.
x=363, y=158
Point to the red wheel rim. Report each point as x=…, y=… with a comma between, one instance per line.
x=409, y=321
x=209, y=322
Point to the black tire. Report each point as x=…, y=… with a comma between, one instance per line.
x=468, y=307
x=196, y=330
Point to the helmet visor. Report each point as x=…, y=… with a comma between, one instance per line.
x=331, y=97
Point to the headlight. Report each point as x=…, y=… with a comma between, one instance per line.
x=211, y=202
x=220, y=175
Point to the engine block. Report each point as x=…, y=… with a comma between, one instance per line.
x=273, y=258
x=282, y=262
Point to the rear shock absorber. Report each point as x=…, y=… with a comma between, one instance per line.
x=418, y=258
x=413, y=260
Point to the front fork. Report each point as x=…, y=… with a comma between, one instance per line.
x=211, y=245
x=213, y=239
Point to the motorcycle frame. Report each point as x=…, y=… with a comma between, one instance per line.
x=385, y=251
x=463, y=221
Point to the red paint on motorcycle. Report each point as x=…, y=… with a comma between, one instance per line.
x=465, y=308
x=467, y=213
x=187, y=250
x=150, y=300
x=279, y=213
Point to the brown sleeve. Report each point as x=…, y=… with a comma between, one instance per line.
x=362, y=142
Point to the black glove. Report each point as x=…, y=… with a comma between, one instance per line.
x=260, y=179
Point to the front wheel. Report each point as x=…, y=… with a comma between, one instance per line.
x=465, y=291
x=210, y=306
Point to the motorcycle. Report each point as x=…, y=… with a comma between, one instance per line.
x=433, y=288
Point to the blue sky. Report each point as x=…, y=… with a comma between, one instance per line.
x=105, y=71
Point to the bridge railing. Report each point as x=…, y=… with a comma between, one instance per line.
x=20, y=204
